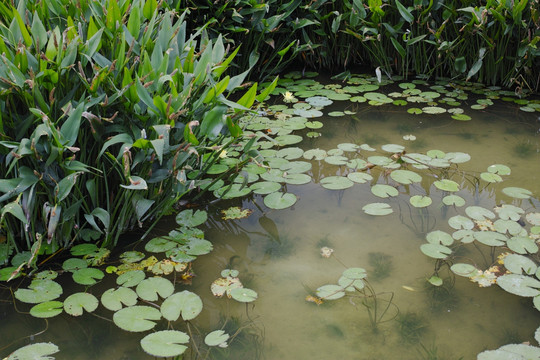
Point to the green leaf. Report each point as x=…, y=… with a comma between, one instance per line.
x=63, y=188
x=136, y=183
x=46, y=310
x=190, y=219
x=134, y=22
x=75, y=303
x=38, y=32
x=439, y=237
x=336, y=182
x=466, y=270
x=244, y=295
x=355, y=273
x=37, y=351
x=216, y=338
x=519, y=264
x=249, y=97
x=88, y=276
x=165, y=343
x=22, y=28
x=150, y=288
x=436, y=251
x=213, y=122
x=384, y=191
x=490, y=238
x=330, y=292
x=184, y=303
x=420, y=201
x=517, y=193
x=131, y=278
x=279, y=200
x=521, y=285
x=136, y=318
x=405, y=14
x=113, y=299
x=455, y=200
x=446, y=185
x=405, y=177
x=377, y=209
x=39, y=291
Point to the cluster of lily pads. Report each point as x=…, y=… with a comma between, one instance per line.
x=141, y=285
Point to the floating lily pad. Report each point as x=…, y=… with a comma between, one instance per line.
x=330, y=292
x=232, y=191
x=420, y=201
x=433, y=110
x=336, y=183
x=88, y=276
x=74, y=264
x=384, y=191
x=319, y=101
x=405, y=177
x=461, y=117
x=244, y=295
x=336, y=160
x=455, y=200
x=522, y=245
x=159, y=244
x=279, y=200
x=508, y=226
x=377, y=209
x=393, y=148
x=349, y=147
x=509, y=212
x=446, y=185
x=190, y=218
x=439, y=237
x=315, y=154
x=150, y=288
x=47, y=309
x=296, y=167
x=457, y=157
x=357, y=164
x=466, y=270
x=113, y=299
x=479, y=213
x=131, y=278
x=355, y=273
x=37, y=351
x=499, y=169
x=359, y=177
x=297, y=179
x=351, y=284
x=265, y=187
x=435, y=281
x=165, y=343
x=290, y=153
x=466, y=236
x=521, y=285
x=436, y=251
x=519, y=264
x=217, y=338
x=311, y=113
x=184, y=303
x=83, y=249
x=129, y=257
x=380, y=160
x=39, y=291
x=136, y=318
x=517, y=193
x=490, y=238
x=490, y=177
x=75, y=303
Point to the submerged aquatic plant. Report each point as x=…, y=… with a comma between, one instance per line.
x=411, y=326
x=382, y=265
x=524, y=149
x=280, y=248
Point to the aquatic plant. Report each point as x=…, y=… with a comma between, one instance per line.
x=280, y=248
x=382, y=265
x=524, y=149
x=411, y=326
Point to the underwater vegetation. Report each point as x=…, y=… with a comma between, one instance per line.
x=510, y=336
x=247, y=340
x=382, y=265
x=411, y=326
x=524, y=149
x=443, y=297
x=280, y=248
x=325, y=242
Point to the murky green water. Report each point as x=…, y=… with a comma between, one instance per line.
x=278, y=254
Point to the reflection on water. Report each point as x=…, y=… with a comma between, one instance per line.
x=278, y=254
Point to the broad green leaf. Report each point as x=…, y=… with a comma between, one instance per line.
x=165, y=343
x=191, y=219
x=519, y=264
x=136, y=318
x=279, y=200
x=213, y=122
x=46, y=310
x=216, y=338
x=521, y=285
x=439, y=237
x=516, y=192
x=88, y=276
x=420, y=201
x=39, y=291
x=113, y=299
x=405, y=177
x=136, y=183
x=404, y=12
x=248, y=98
x=355, y=273
x=36, y=351
x=466, y=270
x=446, y=185
x=336, y=182
x=150, y=288
x=479, y=213
x=377, y=209
x=522, y=245
x=384, y=191
x=490, y=238
x=184, y=303
x=75, y=303
x=330, y=292
x=436, y=251
x=244, y=295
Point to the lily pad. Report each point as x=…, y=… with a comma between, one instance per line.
x=479, y=213
x=296, y=167
x=384, y=191
x=129, y=257
x=290, y=153
x=420, y=201
x=454, y=200
x=436, y=251
x=150, y=288
x=466, y=236
x=217, y=338
x=521, y=285
x=357, y=164
x=439, y=237
x=37, y=351
x=279, y=200
x=466, y=270
x=490, y=238
x=265, y=187
x=47, y=309
x=380, y=160
x=136, y=318
x=297, y=179
x=233, y=191
x=533, y=218
x=446, y=185
x=184, y=303
x=379, y=209
x=522, y=245
x=330, y=292
x=490, y=177
x=131, y=278
x=359, y=177
x=39, y=291
x=355, y=273
x=244, y=295
x=159, y=244
x=509, y=212
x=519, y=264
x=75, y=303
x=508, y=226
x=405, y=177
x=165, y=343
x=74, y=264
x=499, y=169
x=83, y=249
x=457, y=157
x=349, y=147
x=336, y=160
x=393, y=148
x=315, y=154
x=190, y=218
x=88, y=276
x=336, y=183
x=517, y=193
x=319, y=101
x=113, y=299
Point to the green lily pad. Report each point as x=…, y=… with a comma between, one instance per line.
x=522, y=245
x=47, y=309
x=435, y=281
x=336, y=183
x=297, y=179
x=88, y=276
x=233, y=191
x=75, y=303
x=296, y=167
x=290, y=153
x=113, y=299
x=131, y=278
x=461, y=117
x=319, y=101
x=265, y=187
x=83, y=249
x=273, y=175
x=190, y=218
x=405, y=177
x=380, y=160
x=39, y=291
x=533, y=218
x=311, y=113
x=244, y=295
x=349, y=147
x=509, y=212
x=415, y=111
x=457, y=157
x=136, y=318
x=436, y=154
x=217, y=169
x=37, y=351
x=384, y=191
x=479, y=213
x=378, y=98
x=315, y=154
x=355, y=273
x=446, y=185
x=490, y=177
x=433, y=110
x=393, y=148
x=330, y=292
x=508, y=226
x=196, y=246
x=150, y=288
x=357, y=164
x=336, y=160
x=217, y=338
x=351, y=284
x=279, y=200
x=436, y=251
x=366, y=147
x=184, y=303
x=466, y=236
x=74, y=264
x=359, y=177
x=313, y=125
x=165, y=343
x=46, y=274
x=490, y=238
x=439, y=237
x=420, y=201
x=454, y=200
x=519, y=264
x=129, y=257
x=466, y=270
x=159, y=244
x=517, y=193
x=379, y=209
x=499, y=169
x=521, y=285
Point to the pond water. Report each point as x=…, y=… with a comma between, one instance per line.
x=278, y=252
